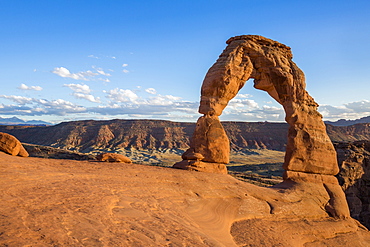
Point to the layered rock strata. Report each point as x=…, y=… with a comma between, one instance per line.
x=310, y=156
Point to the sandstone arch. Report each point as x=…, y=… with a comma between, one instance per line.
x=270, y=64
x=310, y=159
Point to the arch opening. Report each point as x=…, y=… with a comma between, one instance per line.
x=270, y=64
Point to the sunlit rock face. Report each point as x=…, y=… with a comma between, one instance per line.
x=310, y=156
x=11, y=145
x=270, y=64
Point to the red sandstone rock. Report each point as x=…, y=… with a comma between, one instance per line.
x=336, y=206
x=209, y=144
x=112, y=157
x=9, y=144
x=200, y=166
x=310, y=159
x=270, y=64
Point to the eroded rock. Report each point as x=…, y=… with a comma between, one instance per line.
x=310, y=158
x=270, y=64
x=112, y=157
x=10, y=145
x=354, y=177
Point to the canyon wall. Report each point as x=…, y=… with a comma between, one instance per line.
x=158, y=134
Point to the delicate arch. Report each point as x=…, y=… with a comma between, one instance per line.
x=270, y=64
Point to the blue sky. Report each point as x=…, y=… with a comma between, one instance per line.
x=72, y=60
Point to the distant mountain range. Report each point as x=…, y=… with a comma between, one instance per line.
x=89, y=135
x=18, y=121
x=343, y=122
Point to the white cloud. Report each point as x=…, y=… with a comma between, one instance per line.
x=18, y=99
x=92, y=56
x=161, y=100
x=104, y=80
x=359, y=106
x=88, y=97
x=237, y=104
x=100, y=71
x=25, y=87
x=39, y=107
x=83, y=75
x=151, y=91
x=352, y=110
x=124, y=65
x=125, y=71
x=82, y=91
x=122, y=95
x=79, y=88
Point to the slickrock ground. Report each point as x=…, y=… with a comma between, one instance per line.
x=50, y=202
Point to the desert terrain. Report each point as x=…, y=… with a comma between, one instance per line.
x=54, y=202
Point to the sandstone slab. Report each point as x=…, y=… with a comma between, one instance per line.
x=11, y=145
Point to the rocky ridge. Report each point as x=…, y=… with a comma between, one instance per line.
x=88, y=135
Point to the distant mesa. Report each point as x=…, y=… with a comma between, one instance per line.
x=344, y=122
x=11, y=145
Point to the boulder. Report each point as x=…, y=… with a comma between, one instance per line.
x=112, y=157
x=11, y=145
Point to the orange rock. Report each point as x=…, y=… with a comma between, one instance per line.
x=310, y=157
x=112, y=157
x=210, y=145
x=200, y=166
x=11, y=145
x=270, y=64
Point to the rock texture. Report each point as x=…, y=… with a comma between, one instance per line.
x=50, y=202
x=112, y=157
x=84, y=136
x=270, y=64
x=10, y=145
x=310, y=156
x=354, y=177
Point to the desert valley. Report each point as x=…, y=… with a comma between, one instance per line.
x=64, y=197
x=300, y=183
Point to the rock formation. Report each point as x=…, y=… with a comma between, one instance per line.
x=112, y=157
x=88, y=135
x=52, y=202
x=310, y=156
x=10, y=145
x=270, y=64
x=354, y=177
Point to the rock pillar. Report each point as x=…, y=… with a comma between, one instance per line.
x=209, y=149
